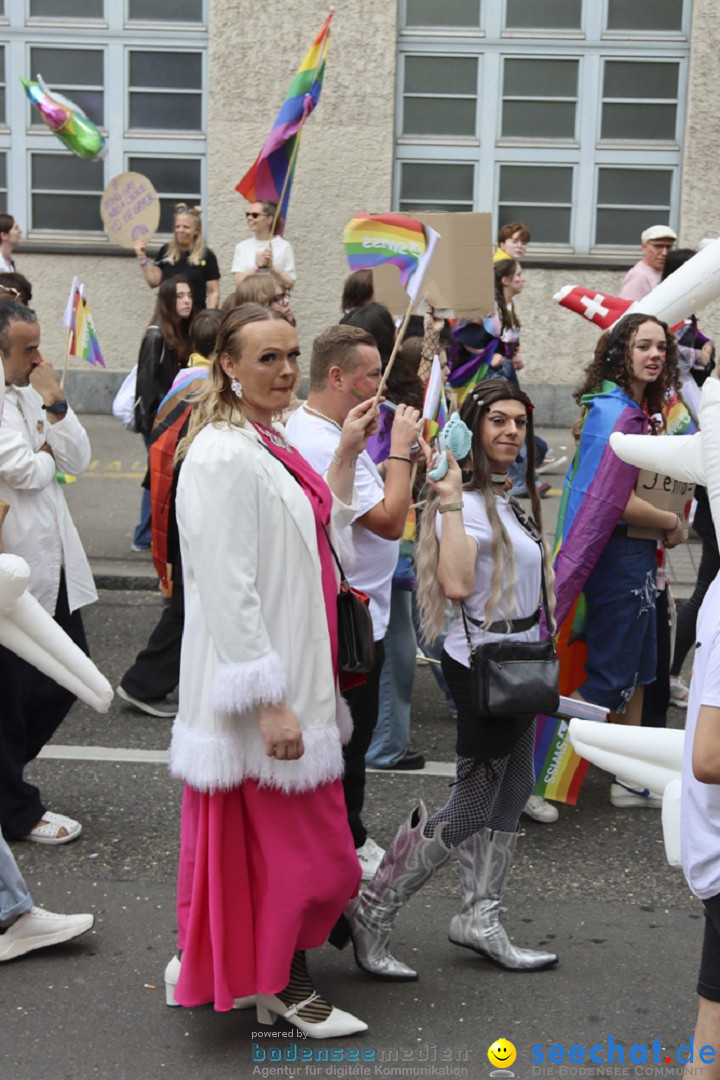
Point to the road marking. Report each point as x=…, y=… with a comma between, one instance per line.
x=57, y=752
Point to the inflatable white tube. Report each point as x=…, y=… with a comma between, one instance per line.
x=671, y=822
x=646, y=757
x=687, y=290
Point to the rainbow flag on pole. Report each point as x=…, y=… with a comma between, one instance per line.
x=373, y=239
x=82, y=341
x=272, y=174
x=434, y=411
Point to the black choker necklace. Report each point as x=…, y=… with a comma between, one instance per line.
x=498, y=477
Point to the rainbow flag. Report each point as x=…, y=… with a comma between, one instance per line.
x=83, y=341
x=559, y=771
x=434, y=408
x=373, y=239
x=272, y=174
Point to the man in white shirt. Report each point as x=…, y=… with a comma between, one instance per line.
x=38, y=435
x=344, y=368
x=261, y=252
x=646, y=274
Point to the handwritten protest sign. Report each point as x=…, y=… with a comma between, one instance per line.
x=130, y=209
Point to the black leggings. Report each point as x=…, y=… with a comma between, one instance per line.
x=491, y=793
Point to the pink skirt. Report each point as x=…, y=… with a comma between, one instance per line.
x=262, y=874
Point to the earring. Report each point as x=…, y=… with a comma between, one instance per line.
x=236, y=388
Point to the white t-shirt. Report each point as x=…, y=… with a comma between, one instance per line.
x=375, y=558
x=246, y=253
x=527, y=568
x=700, y=804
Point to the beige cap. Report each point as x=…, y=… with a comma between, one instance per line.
x=658, y=232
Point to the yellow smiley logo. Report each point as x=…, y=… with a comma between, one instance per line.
x=502, y=1053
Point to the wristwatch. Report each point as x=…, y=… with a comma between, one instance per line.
x=58, y=408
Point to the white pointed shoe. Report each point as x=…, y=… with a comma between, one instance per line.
x=172, y=974
x=338, y=1023
x=37, y=929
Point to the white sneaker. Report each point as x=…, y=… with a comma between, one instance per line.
x=625, y=797
x=539, y=810
x=679, y=692
x=370, y=855
x=38, y=928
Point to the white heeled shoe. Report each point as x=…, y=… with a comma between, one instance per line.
x=172, y=974
x=338, y=1023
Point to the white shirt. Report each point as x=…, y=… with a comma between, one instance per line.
x=375, y=558
x=527, y=568
x=246, y=254
x=700, y=803
x=38, y=526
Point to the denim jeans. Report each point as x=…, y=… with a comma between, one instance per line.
x=14, y=896
x=392, y=730
x=433, y=650
x=142, y=537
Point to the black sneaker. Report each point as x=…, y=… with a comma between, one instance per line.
x=152, y=708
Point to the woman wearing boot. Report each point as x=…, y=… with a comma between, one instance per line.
x=477, y=547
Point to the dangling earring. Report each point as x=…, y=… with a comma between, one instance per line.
x=236, y=388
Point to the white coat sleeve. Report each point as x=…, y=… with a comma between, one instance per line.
x=70, y=444
x=21, y=466
x=219, y=499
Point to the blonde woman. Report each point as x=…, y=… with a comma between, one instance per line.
x=475, y=547
x=186, y=254
x=257, y=738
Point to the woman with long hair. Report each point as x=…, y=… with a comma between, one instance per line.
x=478, y=548
x=164, y=350
x=605, y=575
x=186, y=254
x=257, y=739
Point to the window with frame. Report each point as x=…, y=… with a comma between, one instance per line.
x=144, y=88
x=565, y=114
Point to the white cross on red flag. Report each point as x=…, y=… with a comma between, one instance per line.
x=600, y=308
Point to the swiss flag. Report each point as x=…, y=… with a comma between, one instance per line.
x=597, y=307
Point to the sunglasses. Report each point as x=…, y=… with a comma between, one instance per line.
x=252, y=214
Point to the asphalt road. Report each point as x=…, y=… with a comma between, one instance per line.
x=595, y=887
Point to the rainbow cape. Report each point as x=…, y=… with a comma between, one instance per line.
x=83, y=341
x=271, y=176
x=373, y=239
x=596, y=491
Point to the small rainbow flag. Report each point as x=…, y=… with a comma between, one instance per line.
x=434, y=408
x=559, y=771
x=373, y=239
x=271, y=176
x=82, y=341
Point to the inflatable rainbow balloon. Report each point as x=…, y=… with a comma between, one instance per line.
x=66, y=120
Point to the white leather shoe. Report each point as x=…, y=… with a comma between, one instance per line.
x=37, y=929
x=172, y=974
x=338, y=1023
x=539, y=810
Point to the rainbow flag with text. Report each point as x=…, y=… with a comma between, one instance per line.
x=373, y=239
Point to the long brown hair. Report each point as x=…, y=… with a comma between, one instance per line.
x=611, y=360
x=175, y=331
x=505, y=268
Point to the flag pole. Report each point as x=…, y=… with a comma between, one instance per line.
x=395, y=350
x=67, y=357
x=288, y=174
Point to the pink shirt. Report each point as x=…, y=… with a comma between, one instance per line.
x=639, y=281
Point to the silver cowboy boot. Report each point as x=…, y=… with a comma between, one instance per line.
x=408, y=863
x=485, y=860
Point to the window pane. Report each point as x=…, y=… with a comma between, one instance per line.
x=544, y=14
x=66, y=172
x=165, y=69
x=641, y=15
x=162, y=11
x=439, y=116
x=425, y=182
x=3, y=170
x=623, y=186
x=623, y=227
x=440, y=75
x=538, y=119
x=2, y=65
x=68, y=9
x=520, y=183
x=625, y=79
x=548, y=224
x=656, y=122
x=176, y=112
x=540, y=78
x=449, y=13
x=67, y=212
x=179, y=177
x=69, y=67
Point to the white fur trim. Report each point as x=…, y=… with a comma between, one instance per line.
x=220, y=761
x=343, y=719
x=237, y=688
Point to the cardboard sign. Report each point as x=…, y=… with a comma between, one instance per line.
x=459, y=281
x=665, y=493
x=130, y=209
